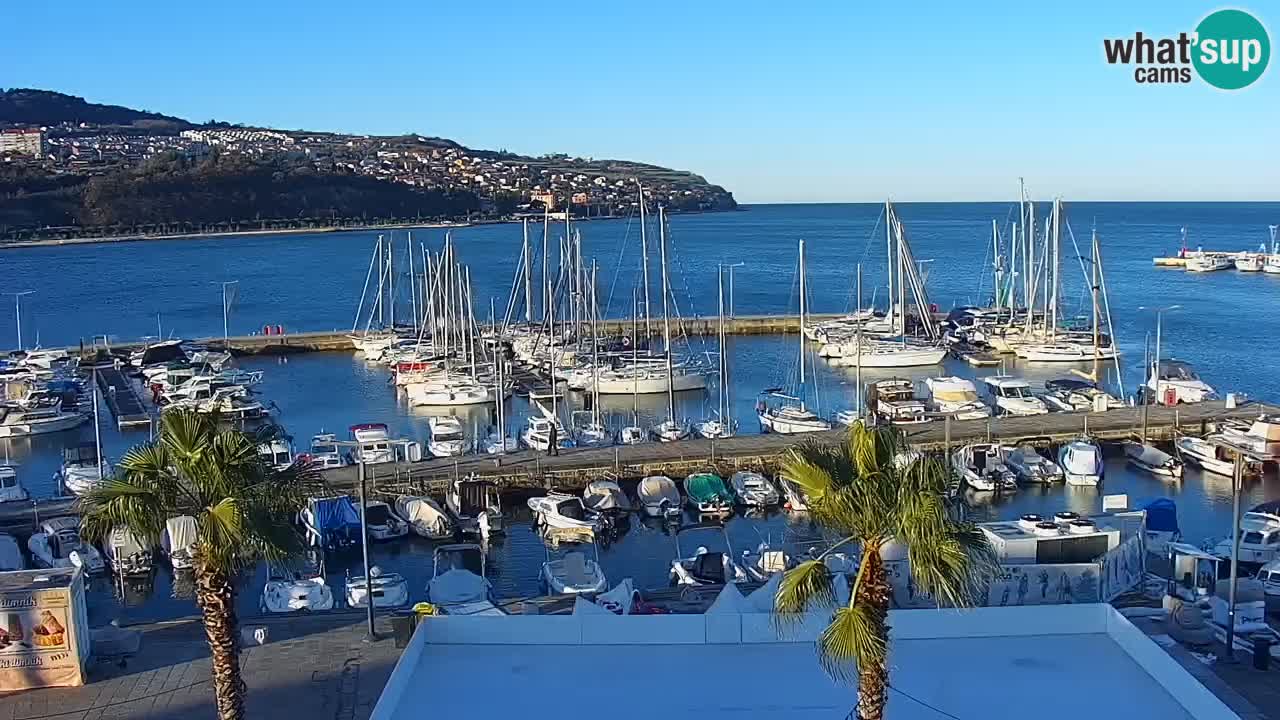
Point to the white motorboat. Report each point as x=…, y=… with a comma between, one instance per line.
x=564, y=512
x=1174, y=381
x=1207, y=262
x=1030, y=467
x=632, y=435
x=872, y=353
x=127, y=554
x=1259, y=535
x=1250, y=262
x=459, y=585
x=82, y=469
x=11, y=489
x=649, y=380
x=788, y=419
x=451, y=392
x=46, y=416
x=1012, y=396
x=753, y=489
x=390, y=590
x=1268, y=575
x=537, y=434
x=981, y=466
x=1261, y=436
x=1152, y=459
x=1078, y=395
x=324, y=453
x=382, y=522
x=299, y=590
x=704, y=566
x=573, y=573
x=605, y=495
x=714, y=429
x=671, y=431
x=424, y=517
x=10, y=554
x=765, y=562
x=894, y=401
x=375, y=444
x=1081, y=462
x=957, y=397
x=58, y=545
x=179, y=541
x=1272, y=264
x=1209, y=456
x=277, y=454
x=659, y=497
x=447, y=439
x=476, y=505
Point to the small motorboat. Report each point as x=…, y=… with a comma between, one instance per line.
x=475, y=504
x=301, y=590
x=605, y=495
x=324, y=452
x=714, y=429
x=390, y=590
x=10, y=554
x=1269, y=576
x=276, y=454
x=424, y=517
x=982, y=467
x=671, y=431
x=1210, y=456
x=1081, y=462
x=1030, y=467
x=1152, y=459
x=659, y=497
x=126, y=553
x=765, y=562
x=382, y=522
x=564, y=512
x=1259, y=535
x=704, y=566
x=58, y=545
x=459, y=585
x=179, y=541
x=894, y=401
x=537, y=434
x=957, y=397
x=708, y=495
x=11, y=489
x=332, y=523
x=82, y=469
x=1078, y=395
x=632, y=435
x=447, y=439
x=374, y=444
x=573, y=573
x=753, y=489
x=1175, y=381
x=1012, y=396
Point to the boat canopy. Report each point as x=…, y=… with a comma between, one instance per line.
x=1271, y=507
x=1068, y=384
x=1175, y=370
x=1162, y=515
x=421, y=513
x=180, y=533
x=377, y=513
x=334, y=513
x=81, y=454
x=123, y=543
x=705, y=486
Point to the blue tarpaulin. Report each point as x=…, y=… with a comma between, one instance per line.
x=335, y=514
x=1162, y=515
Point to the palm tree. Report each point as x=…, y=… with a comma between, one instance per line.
x=865, y=491
x=243, y=510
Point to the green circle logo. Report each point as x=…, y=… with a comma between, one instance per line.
x=1232, y=49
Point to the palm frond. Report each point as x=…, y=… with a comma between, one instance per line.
x=858, y=636
x=807, y=586
x=123, y=503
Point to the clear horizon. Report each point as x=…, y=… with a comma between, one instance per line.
x=838, y=104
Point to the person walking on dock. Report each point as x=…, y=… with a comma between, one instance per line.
x=553, y=439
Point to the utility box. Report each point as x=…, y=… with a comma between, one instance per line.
x=44, y=629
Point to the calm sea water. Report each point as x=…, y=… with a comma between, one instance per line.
x=1226, y=326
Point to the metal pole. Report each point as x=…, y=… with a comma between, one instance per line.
x=1146, y=396
x=364, y=547
x=1236, y=478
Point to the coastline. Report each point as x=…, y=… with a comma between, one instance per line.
x=95, y=240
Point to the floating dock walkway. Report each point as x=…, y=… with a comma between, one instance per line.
x=122, y=398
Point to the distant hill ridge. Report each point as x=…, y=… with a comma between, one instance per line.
x=28, y=106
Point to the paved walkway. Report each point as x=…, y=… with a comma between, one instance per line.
x=310, y=667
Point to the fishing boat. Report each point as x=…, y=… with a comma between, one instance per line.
x=331, y=523
x=276, y=454
x=753, y=489
x=475, y=505
x=10, y=554
x=179, y=541
x=1081, y=462
x=1012, y=396
x=447, y=439
x=1030, y=467
x=787, y=414
x=957, y=397
x=374, y=444
x=324, y=453
x=1175, y=381
x=300, y=589
x=11, y=489
x=564, y=512
x=708, y=495
x=981, y=466
x=58, y=545
x=894, y=401
x=1148, y=457
x=1251, y=261
x=704, y=566
x=390, y=590
x=459, y=582
x=382, y=522
x=424, y=517
x=605, y=495
x=82, y=468
x=1208, y=262
x=573, y=573
x=659, y=497
x=1259, y=535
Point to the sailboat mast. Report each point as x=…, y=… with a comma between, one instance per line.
x=902, y=280
x=888, y=247
x=528, y=279
x=720, y=402
x=858, y=344
x=97, y=426
x=391, y=281
x=595, y=351
x=382, y=278
x=666, y=313
x=635, y=358
x=997, y=275
x=546, y=278
x=802, y=309
x=1094, y=292
x=413, y=286
x=644, y=264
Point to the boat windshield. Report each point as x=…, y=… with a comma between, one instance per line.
x=1177, y=371
x=324, y=449
x=282, y=457
x=447, y=436
x=955, y=396
x=377, y=514
x=1015, y=391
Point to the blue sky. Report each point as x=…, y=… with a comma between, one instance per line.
x=778, y=102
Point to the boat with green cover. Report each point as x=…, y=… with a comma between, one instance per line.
x=708, y=494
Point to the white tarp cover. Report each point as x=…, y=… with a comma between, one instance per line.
x=655, y=489
x=423, y=515
x=123, y=543
x=179, y=533
x=457, y=586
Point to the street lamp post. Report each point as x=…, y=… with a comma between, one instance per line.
x=17, y=311
x=372, y=634
x=731, y=267
x=1155, y=363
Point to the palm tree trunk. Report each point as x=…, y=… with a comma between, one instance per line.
x=216, y=596
x=873, y=682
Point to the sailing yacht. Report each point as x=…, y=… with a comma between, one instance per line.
x=787, y=414
x=670, y=429
x=721, y=425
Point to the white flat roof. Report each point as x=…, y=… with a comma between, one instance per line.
x=987, y=663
